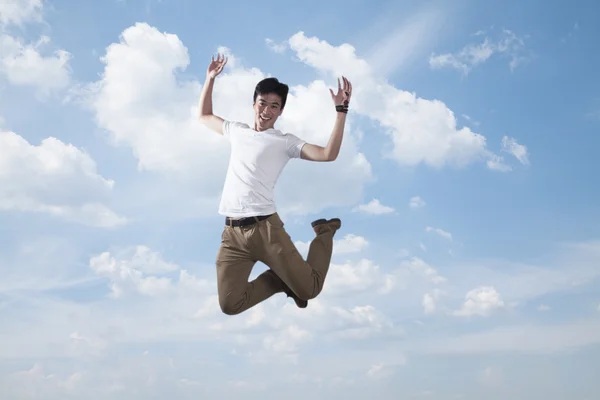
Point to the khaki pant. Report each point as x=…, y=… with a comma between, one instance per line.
x=268, y=242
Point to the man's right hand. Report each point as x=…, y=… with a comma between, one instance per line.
x=216, y=66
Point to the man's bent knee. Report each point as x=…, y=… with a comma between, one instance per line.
x=229, y=306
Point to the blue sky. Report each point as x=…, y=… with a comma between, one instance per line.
x=468, y=263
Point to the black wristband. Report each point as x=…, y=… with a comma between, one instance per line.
x=342, y=108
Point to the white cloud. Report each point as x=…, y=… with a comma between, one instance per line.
x=416, y=202
x=481, y=301
x=276, y=47
x=543, y=307
x=144, y=105
x=355, y=277
x=374, y=207
x=53, y=178
x=428, y=303
x=440, y=232
x=421, y=131
x=130, y=270
x=496, y=163
x=511, y=146
x=340, y=60
x=350, y=244
x=140, y=278
x=473, y=55
x=18, y=12
x=275, y=332
x=420, y=268
x=430, y=299
x=360, y=322
x=286, y=341
x=24, y=65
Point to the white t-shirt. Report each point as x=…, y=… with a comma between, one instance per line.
x=257, y=159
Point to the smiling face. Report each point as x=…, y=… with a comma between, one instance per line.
x=270, y=97
x=267, y=108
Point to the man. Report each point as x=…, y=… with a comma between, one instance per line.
x=253, y=230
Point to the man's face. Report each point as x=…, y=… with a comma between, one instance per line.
x=267, y=108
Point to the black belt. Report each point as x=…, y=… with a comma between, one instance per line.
x=246, y=220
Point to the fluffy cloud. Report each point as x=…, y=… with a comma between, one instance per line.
x=374, y=207
x=350, y=244
x=440, y=232
x=24, y=65
x=140, y=271
x=276, y=47
x=139, y=275
x=133, y=270
x=472, y=55
x=110, y=342
x=416, y=202
x=144, y=105
x=421, y=131
x=353, y=277
x=430, y=299
x=511, y=146
x=53, y=178
x=420, y=268
x=286, y=341
x=17, y=12
x=481, y=301
x=496, y=163
x=360, y=322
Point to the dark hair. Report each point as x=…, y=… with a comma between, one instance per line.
x=272, y=85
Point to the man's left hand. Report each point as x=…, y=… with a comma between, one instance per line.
x=342, y=97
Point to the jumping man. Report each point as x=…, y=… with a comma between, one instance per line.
x=253, y=230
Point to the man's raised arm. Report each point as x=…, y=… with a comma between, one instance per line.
x=341, y=99
x=206, y=116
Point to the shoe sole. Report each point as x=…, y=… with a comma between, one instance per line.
x=322, y=221
x=301, y=303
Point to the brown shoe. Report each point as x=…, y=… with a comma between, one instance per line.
x=321, y=225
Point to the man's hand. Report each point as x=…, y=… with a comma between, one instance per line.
x=216, y=66
x=342, y=97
